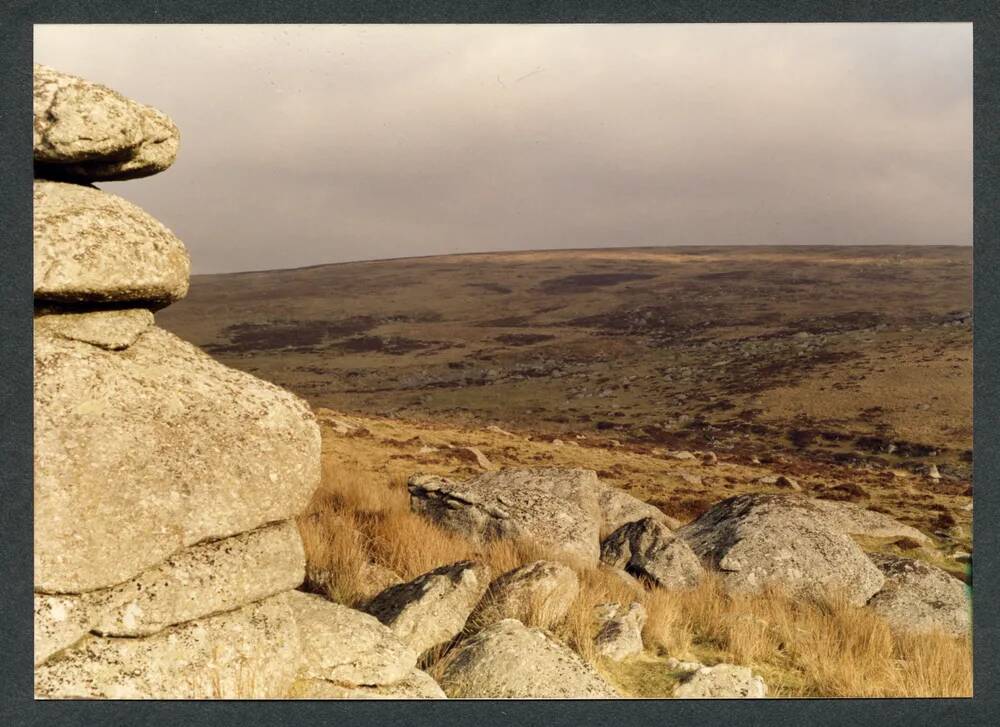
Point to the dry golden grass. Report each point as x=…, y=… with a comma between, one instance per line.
x=801, y=647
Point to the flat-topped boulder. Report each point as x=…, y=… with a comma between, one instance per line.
x=510, y=660
x=552, y=507
x=757, y=539
x=433, y=608
x=142, y=452
x=919, y=597
x=648, y=549
x=251, y=652
x=86, y=131
x=93, y=247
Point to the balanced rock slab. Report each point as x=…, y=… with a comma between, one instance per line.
x=539, y=593
x=345, y=647
x=252, y=652
x=95, y=247
x=114, y=329
x=757, y=539
x=509, y=660
x=142, y=452
x=648, y=549
x=433, y=608
x=207, y=578
x=555, y=508
x=921, y=598
x=86, y=131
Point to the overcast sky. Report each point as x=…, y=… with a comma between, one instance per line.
x=309, y=144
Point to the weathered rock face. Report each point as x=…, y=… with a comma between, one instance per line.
x=205, y=579
x=252, y=652
x=347, y=647
x=539, y=592
x=60, y=621
x=195, y=450
x=722, y=681
x=919, y=597
x=95, y=247
x=647, y=549
x=621, y=635
x=86, y=131
x=509, y=660
x=852, y=519
x=618, y=508
x=758, y=539
x=113, y=329
x=556, y=508
x=433, y=608
x=417, y=685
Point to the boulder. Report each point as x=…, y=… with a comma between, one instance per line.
x=86, y=131
x=114, y=329
x=509, y=660
x=417, y=685
x=757, y=539
x=539, y=593
x=621, y=635
x=851, y=519
x=252, y=652
x=618, y=508
x=347, y=647
x=648, y=549
x=921, y=598
x=722, y=681
x=94, y=247
x=206, y=578
x=555, y=508
x=433, y=608
x=142, y=452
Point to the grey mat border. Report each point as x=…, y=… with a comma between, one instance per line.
x=16, y=19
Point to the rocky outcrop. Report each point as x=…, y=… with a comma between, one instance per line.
x=431, y=609
x=756, y=539
x=87, y=132
x=164, y=482
x=555, y=508
x=621, y=634
x=509, y=660
x=647, y=549
x=539, y=593
x=619, y=508
x=251, y=652
x=921, y=598
x=722, y=681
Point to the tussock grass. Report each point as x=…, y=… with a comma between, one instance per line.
x=802, y=647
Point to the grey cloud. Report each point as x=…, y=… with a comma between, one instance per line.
x=311, y=144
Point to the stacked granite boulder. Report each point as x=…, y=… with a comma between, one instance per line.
x=165, y=483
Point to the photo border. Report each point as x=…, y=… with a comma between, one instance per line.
x=18, y=707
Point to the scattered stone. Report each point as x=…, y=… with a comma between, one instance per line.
x=433, y=608
x=621, y=635
x=497, y=430
x=509, y=660
x=475, y=456
x=674, y=664
x=427, y=450
x=722, y=681
x=690, y=479
x=88, y=132
x=845, y=492
x=95, y=247
x=682, y=456
x=556, y=508
x=709, y=459
x=195, y=451
x=539, y=593
x=205, y=579
x=347, y=647
x=339, y=424
x=647, y=549
x=919, y=597
x=249, y=653
x=933, y=472
x=757, y=539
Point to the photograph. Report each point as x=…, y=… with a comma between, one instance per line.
x=604, y=361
